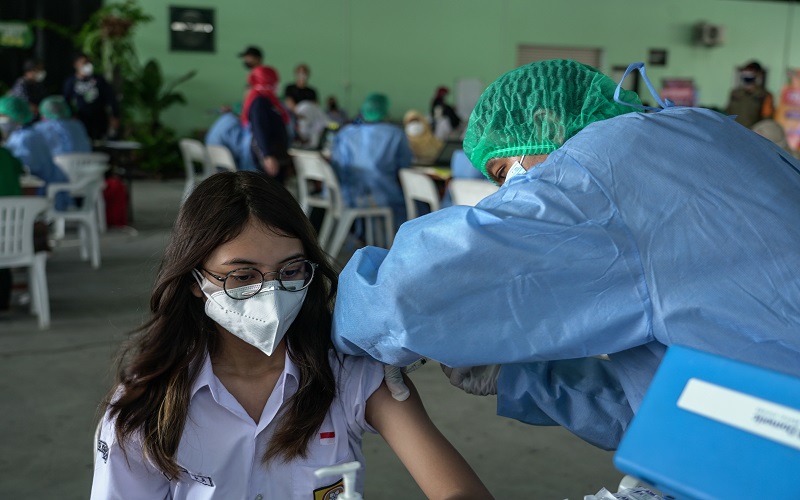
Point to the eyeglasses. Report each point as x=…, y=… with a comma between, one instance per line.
x=246, y=282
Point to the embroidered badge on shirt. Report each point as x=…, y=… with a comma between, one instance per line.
x=327, y=437
x=204, y=480
x=102, y=448
x=331, y=492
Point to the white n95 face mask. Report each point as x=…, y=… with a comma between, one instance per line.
x=87, y=69
x=516, y=169
x=415, y=129
x=261, y=320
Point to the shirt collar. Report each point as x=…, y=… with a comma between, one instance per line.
x=206, y=377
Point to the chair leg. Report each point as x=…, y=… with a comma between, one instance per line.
x=389, y=225
x=83, y=236
x=94, y=243
x=41, y=291
x=34, y=298
x=370, y=230
x=101, y=214
x=342, y=229
x=59, y=228
x=326, y=229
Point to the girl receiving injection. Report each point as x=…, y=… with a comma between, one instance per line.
x=232, y=389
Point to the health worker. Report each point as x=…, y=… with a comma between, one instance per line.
x=615, y=232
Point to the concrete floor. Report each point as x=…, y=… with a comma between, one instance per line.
x=52, y=381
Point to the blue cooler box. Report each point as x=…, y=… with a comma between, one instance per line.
x=713, y=428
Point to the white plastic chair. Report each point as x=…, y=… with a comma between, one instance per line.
x=17, y=215
x=470, y=191
x=418, y=187
x=221, y=157
x=194, y=151
x=89, y=188
x=312, y=167
x=73, y=165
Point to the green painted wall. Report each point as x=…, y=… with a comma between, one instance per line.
x=405, y=49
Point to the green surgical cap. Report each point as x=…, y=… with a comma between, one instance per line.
x=15, y=108
x=54, y=107
x=375, y=107
x=536, y=108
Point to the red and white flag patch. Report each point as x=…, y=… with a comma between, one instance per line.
x=327, y=437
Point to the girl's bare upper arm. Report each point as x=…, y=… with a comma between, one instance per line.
x=437, y=467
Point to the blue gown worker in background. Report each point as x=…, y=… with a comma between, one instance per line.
x=368, y=156
x=62, y=133
x=615, y=232
x=28, y=145
x=227, y=130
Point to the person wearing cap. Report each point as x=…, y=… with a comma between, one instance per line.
x=368, y=156
x=251, y=57
x=30, y=86
x=92, y=99
x=614, y=232
x=62, y=133
x=750, y=102
x=445, y=119
x=28, y=145
x=299, y=90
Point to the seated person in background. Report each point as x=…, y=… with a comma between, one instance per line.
x=368, y=157
x=62, y=133
x=299, y=91
x=334, y=113
x=445, y=119
x=268, y=121
x=10, y=172
x=310, y=122
x=424, y=145
x=227, y=131
x=29, y=146
x=30, y=87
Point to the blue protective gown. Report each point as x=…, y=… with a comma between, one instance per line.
x=64, y=136
x=367, y=158
x=31, y=149
x=227, y=131
x=642, y=231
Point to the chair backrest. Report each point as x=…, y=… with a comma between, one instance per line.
x=73, y=163
x=418, y=187
x=193, y=151
x=221, y=157
x=310, y=166
x=470, y=191
x=17, y=215
x=88, y=186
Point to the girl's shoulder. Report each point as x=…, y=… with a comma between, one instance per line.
x=357, y=378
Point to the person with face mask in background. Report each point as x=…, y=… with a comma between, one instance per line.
x=424, y=145
x=268, y=121
x=92, y=99
x=251, y=57
x=30, y=86
x=28, y=145
x=750, y=102
x=62, y=133
x=444, y=117
x=614, y=232
x=232, y=389
x=367, y=157
x=299, y=91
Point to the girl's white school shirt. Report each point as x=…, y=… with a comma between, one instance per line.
x=221, y=447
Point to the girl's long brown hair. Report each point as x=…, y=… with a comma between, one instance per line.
x=159, y=364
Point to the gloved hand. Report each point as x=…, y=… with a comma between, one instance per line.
x=478, y=380
x=393, y=376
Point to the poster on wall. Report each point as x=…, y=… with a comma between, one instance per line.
x=191, y=29
x=788, y=110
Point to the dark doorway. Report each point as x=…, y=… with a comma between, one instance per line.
x=54, y=50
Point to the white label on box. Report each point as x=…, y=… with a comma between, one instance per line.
x=757, y=416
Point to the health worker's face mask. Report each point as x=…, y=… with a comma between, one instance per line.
x=516, y=169
x=262, y=320
x=40, y=76
x=415, y=129
x=6, y=127
x=87, y=69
